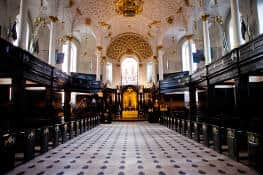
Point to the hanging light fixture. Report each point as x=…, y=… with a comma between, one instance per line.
x=217, y=19
x=128, y=8
x=41, y=19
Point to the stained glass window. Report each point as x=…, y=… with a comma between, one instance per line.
x=129, y=71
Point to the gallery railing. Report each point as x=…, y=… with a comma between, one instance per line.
x=14, y=60
x=240, y=145
x=246, y=59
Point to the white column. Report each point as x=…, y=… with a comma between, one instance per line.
x=98, y=67
x=22, y=25
x=189, y=40
x=154, y=69
x=69, y=57
x=160, y=61
x=207, y=47
x=52, y=40
x=236, y=23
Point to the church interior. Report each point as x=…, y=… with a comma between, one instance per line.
x=115, y=87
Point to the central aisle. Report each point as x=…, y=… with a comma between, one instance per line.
x=131, y=148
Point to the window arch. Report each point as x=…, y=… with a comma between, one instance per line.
x=260, y=15
x=231, y=34
x=149, y=72
x=17, y=27
x=109, y=72
x=73, y=57
x=27, y=36
x=186, y=56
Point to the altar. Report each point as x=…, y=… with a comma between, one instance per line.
x=129, y=103
x=129, y=115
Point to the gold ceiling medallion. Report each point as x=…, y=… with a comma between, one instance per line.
x=205, y=17
x=155, y=58
x=159, y=47
x=170, y=20
x=149, y=34
x=189, y=37
x=218, y=20
x=71, y=3
x=68, y=37
x=128, y=8
x=154, y=23
x=53, y=18
x=103, y=60
x=78, y=11
x=99, y=48
x=104, y=24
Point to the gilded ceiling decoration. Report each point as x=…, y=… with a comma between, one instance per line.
x=103, y=10
x=128, y=8
x=129, y=43
x=159, y=19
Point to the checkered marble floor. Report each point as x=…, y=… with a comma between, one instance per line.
x=131, y=148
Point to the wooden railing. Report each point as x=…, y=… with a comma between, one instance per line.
x=14, y=60
x=27, y=141
x=239, y=144
x=246, y=59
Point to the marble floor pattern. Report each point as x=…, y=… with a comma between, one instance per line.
x=131, y=148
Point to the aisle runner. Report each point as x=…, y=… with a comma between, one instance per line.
x=131, y=148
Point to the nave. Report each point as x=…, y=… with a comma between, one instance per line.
x=131, y=148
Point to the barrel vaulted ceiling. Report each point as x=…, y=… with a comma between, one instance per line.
x=161, y=21
x=101, y=14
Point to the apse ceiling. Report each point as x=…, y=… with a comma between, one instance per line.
x=129, y=43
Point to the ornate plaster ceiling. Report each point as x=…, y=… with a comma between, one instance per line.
x=159, y=21
x=129, y=43
x=103, y=11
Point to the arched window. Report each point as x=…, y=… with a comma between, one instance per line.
x=73, y=64
x=129, y=71
x=149, y=72
x=260, y=15
x=15, y=42
x=27, y=35
x=186, y=56
x=109, y=72
x=73, y=60
x=231, y=35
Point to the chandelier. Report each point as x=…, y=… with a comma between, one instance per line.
x=41, y=19
x=128, y=8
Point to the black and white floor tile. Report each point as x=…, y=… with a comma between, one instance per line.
x=132, y=148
